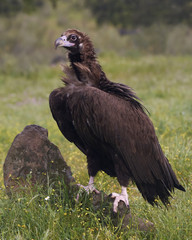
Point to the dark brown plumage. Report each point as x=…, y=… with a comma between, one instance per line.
x=107, y=122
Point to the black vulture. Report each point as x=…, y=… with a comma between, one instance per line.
x=108, y=123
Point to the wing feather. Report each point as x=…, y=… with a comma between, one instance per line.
x=108, y=122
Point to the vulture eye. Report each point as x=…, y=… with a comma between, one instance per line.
x=73, y=38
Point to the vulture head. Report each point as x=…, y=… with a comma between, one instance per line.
x=82, y=57
x=75, y=42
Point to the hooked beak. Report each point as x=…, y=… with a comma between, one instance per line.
x=62, y=42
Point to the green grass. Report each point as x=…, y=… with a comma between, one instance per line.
x=164, y=84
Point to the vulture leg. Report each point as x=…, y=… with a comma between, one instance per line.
x=120, y=197
x=89, y=188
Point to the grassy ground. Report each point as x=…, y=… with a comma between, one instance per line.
x=164, y=84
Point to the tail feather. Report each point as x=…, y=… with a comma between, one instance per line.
x=180, y=187
x=153, y=192
x=161, y=188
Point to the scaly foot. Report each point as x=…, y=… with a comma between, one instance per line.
x=120, y=197
x=89, y=188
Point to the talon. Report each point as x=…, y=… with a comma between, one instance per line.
x=89, y=188
x=77, y=198
x=120, y=197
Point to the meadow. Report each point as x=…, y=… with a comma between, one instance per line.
x=164, y=83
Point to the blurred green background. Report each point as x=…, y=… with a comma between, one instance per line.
x=28, y=28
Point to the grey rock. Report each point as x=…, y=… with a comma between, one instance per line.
x=33, y=156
